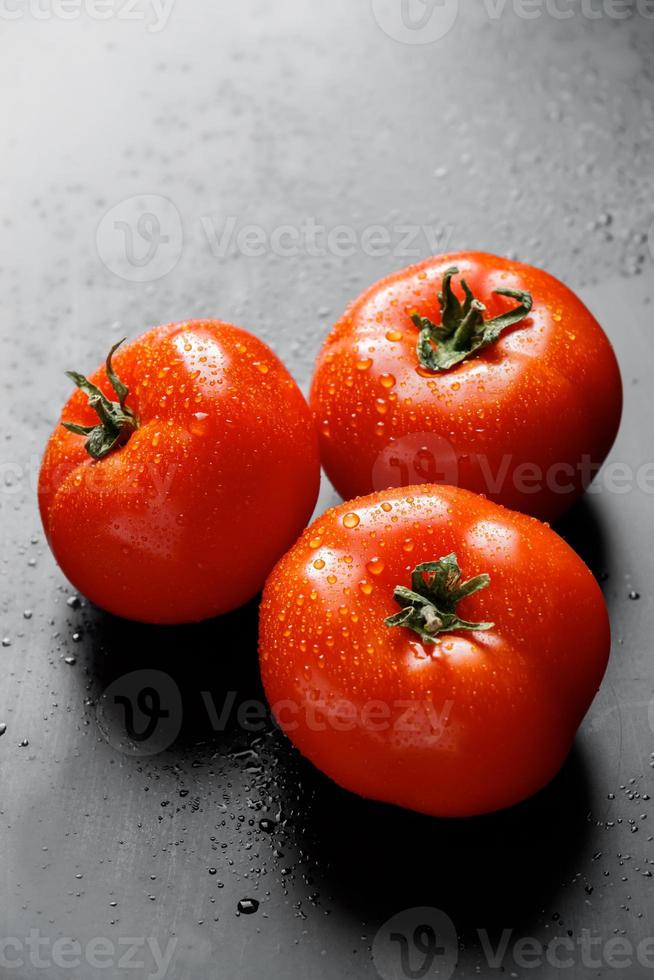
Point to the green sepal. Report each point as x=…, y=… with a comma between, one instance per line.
x=117, y=421
x=429, y=606
x=462, y=329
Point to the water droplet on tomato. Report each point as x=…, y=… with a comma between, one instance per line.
x=351, y=520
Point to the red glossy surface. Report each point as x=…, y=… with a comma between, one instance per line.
x=477, y=721
x=526, y=421
x=169, y=528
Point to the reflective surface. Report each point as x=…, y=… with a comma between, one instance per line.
x=530, y=137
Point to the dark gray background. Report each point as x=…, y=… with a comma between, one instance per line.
x=526, y=136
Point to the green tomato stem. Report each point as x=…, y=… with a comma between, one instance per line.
x=462, y=329
x=429, y=606
x=117, y=420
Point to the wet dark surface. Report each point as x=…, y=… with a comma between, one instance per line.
x=528, y=137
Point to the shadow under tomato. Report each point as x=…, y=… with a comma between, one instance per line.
x=368, y=860
x=211, y=665
x=504, y=870
x=582, y=529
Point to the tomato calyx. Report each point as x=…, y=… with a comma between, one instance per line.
x=462, y=329
x=117, y=421
x=430, y=603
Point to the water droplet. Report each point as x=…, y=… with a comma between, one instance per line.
x=364, y=365
x=350, y=520
x=24, y=743
x=247, y=906
x=267, y=825
x=70, y=661
x=3, y=728
x=318, y=563
x=375, y=566
x=6, y=642
x=632, y=595
x=394, y=335
x=73, y=601
x=387, y=380
x=365, y=587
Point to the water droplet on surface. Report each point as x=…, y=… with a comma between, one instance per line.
x=267, y=825
x=3, y=728
x=247, y=906
x=634, y=595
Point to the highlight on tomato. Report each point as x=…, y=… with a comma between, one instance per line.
x=473, y=370
x=179, y=472
x=429, y=648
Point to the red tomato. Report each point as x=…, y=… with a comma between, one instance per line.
x=206, y=469
x=429, y=648
x=515, y=394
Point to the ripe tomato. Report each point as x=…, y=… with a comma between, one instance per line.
x=429, y=648
x=204, y=470
x=515, y=394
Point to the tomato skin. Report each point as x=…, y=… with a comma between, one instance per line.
x=525, y=421
x=185, y=521
x=472, y=724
